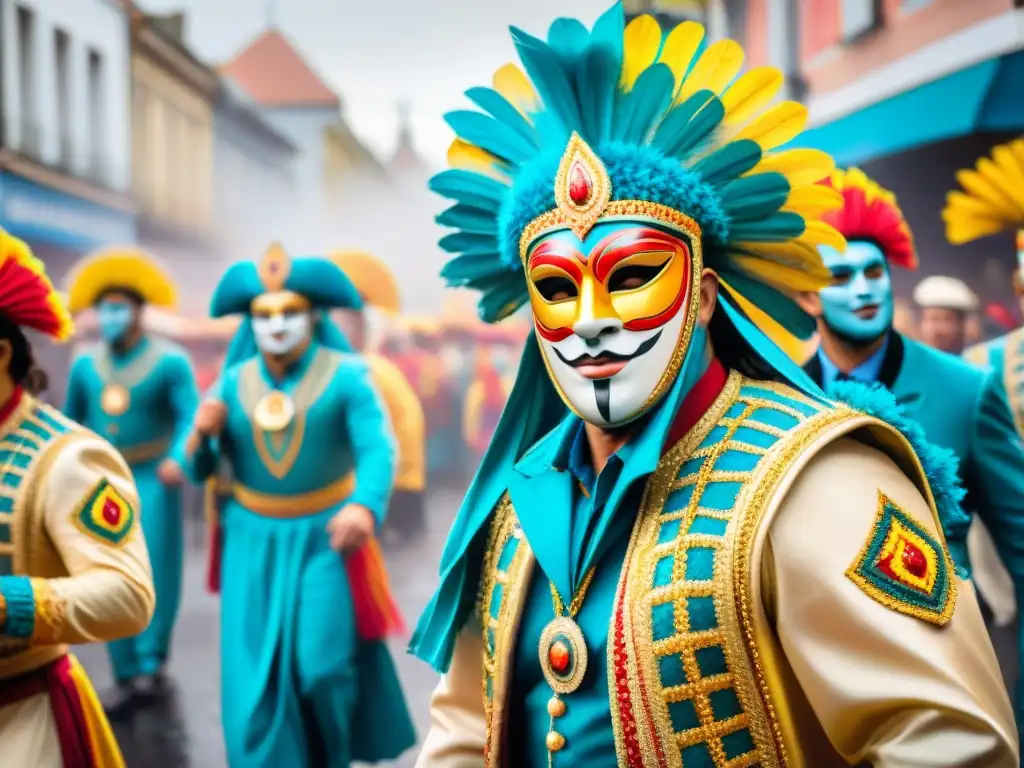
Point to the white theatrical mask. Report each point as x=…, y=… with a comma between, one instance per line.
x=280, y=333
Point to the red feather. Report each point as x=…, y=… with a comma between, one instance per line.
x=878, y=220
x=26, y=294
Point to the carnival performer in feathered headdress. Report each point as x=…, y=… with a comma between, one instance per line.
x=305, y=606
x=378, y=290
x=139, y=391
x=73, y=561
x=957, y=405
x=673, y=531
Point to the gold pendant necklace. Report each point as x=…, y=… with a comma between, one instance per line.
x=274, y=411
x=563, y=657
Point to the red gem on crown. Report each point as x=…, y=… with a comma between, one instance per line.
x=580, y=185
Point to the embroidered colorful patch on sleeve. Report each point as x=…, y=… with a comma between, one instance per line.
x=106, y=515
x=904, y=567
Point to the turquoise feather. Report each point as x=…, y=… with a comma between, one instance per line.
x=469, y=219
x=553, y=85
x=495, y=304
x=700, y=130
x=469, y=267
x=640, y=109
x=940, y=465
x=778, y=227
x=457, y=242
x=729, y=162
x=673, y=129
x=498, y=107
x=596, y=90
x=469, y=188
x=487, y=133
x=755, y=197
x=568, y=38
x=775, y=303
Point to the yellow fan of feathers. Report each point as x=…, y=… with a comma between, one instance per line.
x=992, y=196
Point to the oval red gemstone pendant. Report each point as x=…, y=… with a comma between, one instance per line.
x=580, y=186
x=558, y=655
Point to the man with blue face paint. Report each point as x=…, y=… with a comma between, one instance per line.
x=139, y=393
x=306, y=676
x=677, y=551
x=959, y=406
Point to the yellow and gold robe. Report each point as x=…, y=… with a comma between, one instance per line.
x=73, y=569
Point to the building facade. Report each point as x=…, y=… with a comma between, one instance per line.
x=911, y=91
x=173, y=96
x=65, y=142
x=254, y=181
x=296, y=101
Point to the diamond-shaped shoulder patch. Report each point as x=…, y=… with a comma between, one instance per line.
x=105, y=514
x=904, y=567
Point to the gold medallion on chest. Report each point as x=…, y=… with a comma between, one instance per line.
x=274, y=412
x=115, y=400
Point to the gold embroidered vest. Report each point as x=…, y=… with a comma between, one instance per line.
x=686, y=664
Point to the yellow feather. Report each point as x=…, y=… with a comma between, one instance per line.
x=800, y=166
x=796, y=348
x=981, y=187
x=960, y=231
x=784, y=277
x=751, y=93
x=640, y=46
x=714, y=70
x=965, y=206
x=820, y=233
x=792, y=252
x=681, y=45
x=1012, y=168
x=778, y=125
x=813, y=201
x=1000, y=179
x=470, y=157
x=512, y=83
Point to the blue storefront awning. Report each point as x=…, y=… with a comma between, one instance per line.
x=42, y=215
x=984, y=97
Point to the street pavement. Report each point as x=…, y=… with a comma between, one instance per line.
x=182, y=730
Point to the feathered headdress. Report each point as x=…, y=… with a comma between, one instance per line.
x=27, y=296
x=661, y=126
x=870, y=212
x=992, y=199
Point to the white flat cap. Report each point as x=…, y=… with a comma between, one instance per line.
x=941, y=292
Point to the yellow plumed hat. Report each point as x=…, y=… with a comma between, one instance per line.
x=129, y=268
x=371, y=277
x=991, y=198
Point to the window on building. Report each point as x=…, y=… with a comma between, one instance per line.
x=736, y=20
x=27, y=80
x=62, y=54
x=859, y=17
x=97, y=116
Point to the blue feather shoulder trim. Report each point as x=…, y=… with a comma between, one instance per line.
x=941, y=466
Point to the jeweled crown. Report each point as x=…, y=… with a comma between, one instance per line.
x=583, y=196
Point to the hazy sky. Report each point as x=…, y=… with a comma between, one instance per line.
x=380, y=52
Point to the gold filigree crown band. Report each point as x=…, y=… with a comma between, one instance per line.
x=583, y=192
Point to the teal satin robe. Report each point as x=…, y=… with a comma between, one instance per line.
x=161, y=384
x=291, y=662
x=965, y=409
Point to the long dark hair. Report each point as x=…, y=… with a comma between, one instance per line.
x=23, y=368
x=734, y=351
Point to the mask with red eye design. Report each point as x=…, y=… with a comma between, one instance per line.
x=614, y=315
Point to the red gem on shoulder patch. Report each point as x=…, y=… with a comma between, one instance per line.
x=914, y=560
x=111, y=512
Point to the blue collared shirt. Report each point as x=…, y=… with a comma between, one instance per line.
x=867, y=371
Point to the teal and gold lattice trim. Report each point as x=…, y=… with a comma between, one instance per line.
x=500, y=590
x=684, y=654
x=105, y=514
x=904, y=567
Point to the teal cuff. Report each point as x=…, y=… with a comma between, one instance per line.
x=20, y=621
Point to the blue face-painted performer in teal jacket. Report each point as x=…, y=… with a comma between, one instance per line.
x=959, y=406
x=139, y=392
x=306, y=677
x=673, y=531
